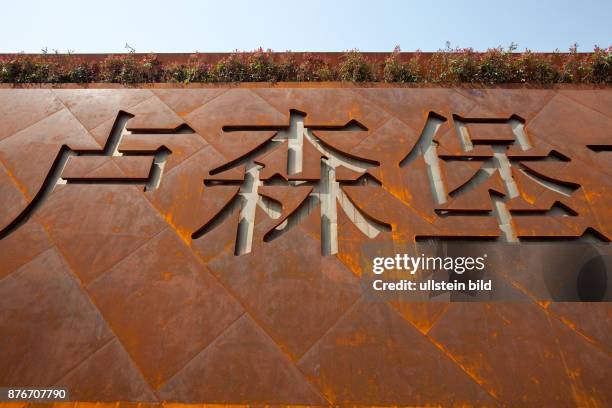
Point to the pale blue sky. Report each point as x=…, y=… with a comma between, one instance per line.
x=373, y=25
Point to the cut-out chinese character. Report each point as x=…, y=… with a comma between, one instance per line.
x=497, y=171
x=140, y=167
x=303, y=158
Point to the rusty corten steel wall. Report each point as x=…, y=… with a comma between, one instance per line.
x=124, y=275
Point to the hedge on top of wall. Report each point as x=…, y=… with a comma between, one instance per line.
x=451, y=66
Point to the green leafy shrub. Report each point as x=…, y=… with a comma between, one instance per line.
x=601, y=66
x=496, y=66
x=229, y=69
x=396, y=71
x=261, y=67
x=192, y=71
x=575, y=68
x=151, y=69
x=354, y=67
x=463, y=66
x=314, y=69
x=24, y=69
x=288, y=68
x=120, y=69
x=78, y=71
x=534, y=68
x=437, y=68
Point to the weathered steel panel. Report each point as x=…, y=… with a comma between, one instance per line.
x=204, y=245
